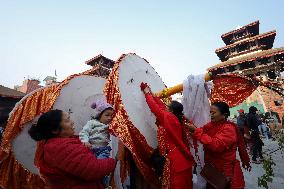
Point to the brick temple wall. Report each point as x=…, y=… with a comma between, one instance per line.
x=269, y=97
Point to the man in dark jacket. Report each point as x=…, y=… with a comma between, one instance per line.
x=253, y=122
x=252, y=119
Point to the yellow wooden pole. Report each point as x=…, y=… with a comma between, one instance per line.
x=178, y=88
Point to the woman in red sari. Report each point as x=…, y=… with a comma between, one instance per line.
x=221, y=140
x=171, y=143
x=65, y=162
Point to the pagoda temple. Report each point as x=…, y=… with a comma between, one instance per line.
x=101, y=65
x=250, y=53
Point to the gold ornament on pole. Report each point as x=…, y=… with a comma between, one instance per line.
x=179, y=88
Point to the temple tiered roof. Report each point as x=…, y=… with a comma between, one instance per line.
x=245, y=40
x=100, y=71
x=249, y=52
x=250, y=57
x=100, y=59
x=101, y=65
x=249, y=30
x=259, y=42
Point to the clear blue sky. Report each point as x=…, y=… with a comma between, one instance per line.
x=177, y=37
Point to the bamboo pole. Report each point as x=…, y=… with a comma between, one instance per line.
x=178, y=88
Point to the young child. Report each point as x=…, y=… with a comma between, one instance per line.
x=95, y=134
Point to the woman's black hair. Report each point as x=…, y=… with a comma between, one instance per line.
x=100, y=115
x=177, y=109
x=223, y=108
x=46, y=125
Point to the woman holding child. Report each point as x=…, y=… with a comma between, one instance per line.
x=66, y=163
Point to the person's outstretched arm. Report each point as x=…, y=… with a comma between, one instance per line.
x=157, y=110
x=221, y=141
x=160, y=103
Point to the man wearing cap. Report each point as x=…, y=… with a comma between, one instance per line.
x=241, y=121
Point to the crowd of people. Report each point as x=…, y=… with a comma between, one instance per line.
x=70, y=161
x=254, y=128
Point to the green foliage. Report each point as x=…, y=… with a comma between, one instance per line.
x=268, y=165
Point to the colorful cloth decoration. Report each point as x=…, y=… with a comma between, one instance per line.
x=232, y=89
x=12, y=173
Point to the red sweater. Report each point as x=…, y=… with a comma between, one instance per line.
x=178, y=152
x=67, y=164
x=221, y=141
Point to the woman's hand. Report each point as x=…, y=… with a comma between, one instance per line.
x=190, y=126
x=88, y=145
x=145, y=88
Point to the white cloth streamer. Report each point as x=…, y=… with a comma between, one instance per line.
x=117, y=180
x=114, y=147
x=197, y=108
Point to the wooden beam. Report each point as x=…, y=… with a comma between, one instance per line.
x=178, y=88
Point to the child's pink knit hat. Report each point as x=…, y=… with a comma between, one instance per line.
x=100, y=106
